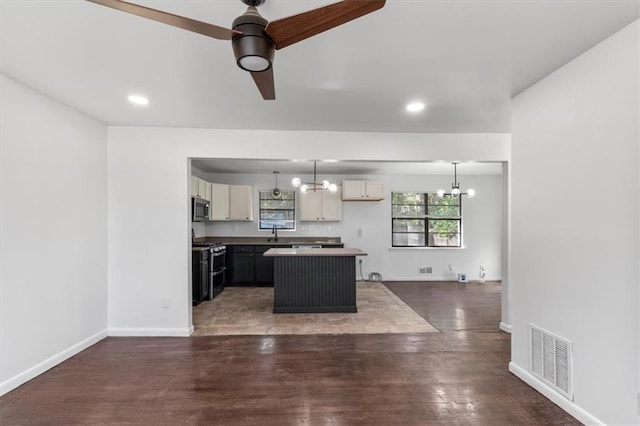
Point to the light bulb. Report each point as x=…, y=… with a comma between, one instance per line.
x=254, y=63
x=415, y=107
x=471, y=192
x=325, y=184
x=333, y=187
x=304, y=188
x=455, y=191
x=138, y=100
x=296, y=182
x=440, y=193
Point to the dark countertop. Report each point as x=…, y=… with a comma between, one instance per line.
x=256, y=241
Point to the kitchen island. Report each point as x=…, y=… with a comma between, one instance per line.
x=314, y=279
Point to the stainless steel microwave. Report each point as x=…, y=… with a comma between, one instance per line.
x=199, y=209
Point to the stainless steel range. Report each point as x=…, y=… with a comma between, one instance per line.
x=217, y=268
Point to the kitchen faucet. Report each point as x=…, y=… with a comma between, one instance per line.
x=274, y=231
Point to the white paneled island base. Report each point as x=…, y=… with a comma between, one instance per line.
x=314, y=280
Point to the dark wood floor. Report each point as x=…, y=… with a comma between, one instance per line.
x=453, y=306
x=458, y=376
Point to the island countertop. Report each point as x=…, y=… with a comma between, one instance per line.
x=274, y=252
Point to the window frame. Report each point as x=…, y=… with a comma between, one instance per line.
x=427, y=218
x=261, y=210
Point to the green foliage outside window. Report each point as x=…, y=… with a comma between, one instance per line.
x=425, y=220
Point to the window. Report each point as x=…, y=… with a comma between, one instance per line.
x=278, y=212
x=425, y=220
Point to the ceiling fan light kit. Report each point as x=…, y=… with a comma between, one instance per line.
x=253, y=38
x=253, y=48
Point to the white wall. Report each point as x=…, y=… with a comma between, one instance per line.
x=149, y=224
x=482, y=224
x=505, y=322
x=574, y=268
x=53, y=225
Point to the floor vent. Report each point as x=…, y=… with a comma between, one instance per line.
x=552, y=360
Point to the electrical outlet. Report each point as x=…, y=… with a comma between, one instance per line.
x=360, y=261
x=451, y=268
x=166, y=302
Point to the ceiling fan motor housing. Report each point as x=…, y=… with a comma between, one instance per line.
x=254, y=50
x=253, y=2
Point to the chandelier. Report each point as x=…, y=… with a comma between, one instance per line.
x=455, y=186
x=315, y=185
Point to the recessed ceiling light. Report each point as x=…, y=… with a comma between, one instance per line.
x=415, y=106
x=138, y=100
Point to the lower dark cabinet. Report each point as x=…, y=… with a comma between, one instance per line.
x=264, y=266
x=246, y=264
x=241, y=264
x=200, y=276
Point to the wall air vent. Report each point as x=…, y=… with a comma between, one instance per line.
x=552, y=360
x=423, y=270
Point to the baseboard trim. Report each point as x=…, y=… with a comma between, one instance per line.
x=149, y=332
x=570, y=407
x=436, y=278
x=505, y=327
x=49, y=363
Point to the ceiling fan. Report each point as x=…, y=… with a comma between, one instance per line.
x=254, y=39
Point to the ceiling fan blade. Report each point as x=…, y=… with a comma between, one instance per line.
x=264, y=81
x=188, y=24
x=287, y=31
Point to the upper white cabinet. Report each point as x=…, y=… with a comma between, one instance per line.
x=204, y=189
x=200, y=188
x=320, y=206
x=240, y=202
x=219, y=202
x=228, y=202
x=362, y=190
x=195, y=186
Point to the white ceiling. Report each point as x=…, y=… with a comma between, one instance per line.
x=465, y=59
x=244, y=166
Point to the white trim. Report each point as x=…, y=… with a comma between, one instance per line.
x=437, y=278
x=191, y=330
x=570, y=407
x=505, y=327
x=47, y=364
x=150, y=332
x=425, y=248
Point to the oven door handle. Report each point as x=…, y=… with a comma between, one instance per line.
x=218, y=271
x=219, y=253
